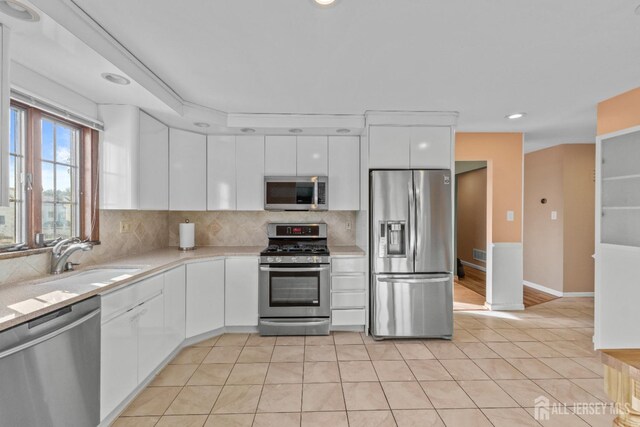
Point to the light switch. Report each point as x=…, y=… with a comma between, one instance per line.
x=510, y=216
x=554, y=215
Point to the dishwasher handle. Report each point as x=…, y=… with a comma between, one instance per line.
x=50, y=335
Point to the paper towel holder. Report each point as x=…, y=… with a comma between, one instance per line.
x=191, y=246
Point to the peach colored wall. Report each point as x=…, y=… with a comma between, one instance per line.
x=557, y=253
x=471, y=214
x=543, y=242
x=619, y=112
x=579, y=213
x=503, y=153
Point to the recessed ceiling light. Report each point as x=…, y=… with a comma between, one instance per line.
x=19, y=10
x=116, y=78
x=515, y=116
x=343, y=130
x=325, y=2
x=202, y=124
x=295, y=130
x=247, y=130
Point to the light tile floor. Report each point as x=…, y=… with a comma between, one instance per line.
x=490, y=374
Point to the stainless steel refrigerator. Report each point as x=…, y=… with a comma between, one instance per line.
x=411, y=254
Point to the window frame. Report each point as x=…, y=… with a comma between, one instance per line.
x=87, y=189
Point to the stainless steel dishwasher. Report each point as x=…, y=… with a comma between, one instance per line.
x=50, y=369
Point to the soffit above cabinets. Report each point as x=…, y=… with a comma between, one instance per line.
x=554, y=60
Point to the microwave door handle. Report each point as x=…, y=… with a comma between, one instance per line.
x=315, y=193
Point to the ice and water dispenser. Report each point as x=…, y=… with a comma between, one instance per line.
x=393, y=239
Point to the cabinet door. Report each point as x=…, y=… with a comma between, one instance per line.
x=241, y=291
x=389, y=147
x=250, y=173
x=280, y=156
x=312, y=155
x=174, y=308
x=151, y=345
x=221, y=173
x=153, y=171
x=344, y=173
x=205, y=297
x=118, y=360
x=187, y=171
x=431, y=147
x=119, y=156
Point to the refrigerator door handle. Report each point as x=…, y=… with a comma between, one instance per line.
x=412, y=224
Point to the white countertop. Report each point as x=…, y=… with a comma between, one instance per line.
x=23, y=301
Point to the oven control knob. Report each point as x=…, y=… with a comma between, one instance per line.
x=278, y=259
x=270, y=259
x=310, y=259
x=294, y=259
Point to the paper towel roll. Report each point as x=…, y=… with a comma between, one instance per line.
x=187, y=236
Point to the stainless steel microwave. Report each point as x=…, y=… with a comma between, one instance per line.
x=295, y=193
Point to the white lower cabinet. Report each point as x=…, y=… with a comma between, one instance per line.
x=241, y=291
x=174, y=308
x=151, y=346
x=118, y=360
x=205, y=297
x=348, y=291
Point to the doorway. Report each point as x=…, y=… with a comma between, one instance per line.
x=470, y=235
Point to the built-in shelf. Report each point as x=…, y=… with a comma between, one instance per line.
x=616, y=178
x=620, y=208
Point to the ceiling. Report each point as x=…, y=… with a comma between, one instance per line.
x=554, y=60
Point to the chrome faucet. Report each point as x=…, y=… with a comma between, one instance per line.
x=63, y=250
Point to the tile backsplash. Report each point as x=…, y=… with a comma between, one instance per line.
x=224, y=228
x=157, y=229
x=148, y=232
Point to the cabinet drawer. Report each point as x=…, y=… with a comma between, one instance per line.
x=348, y=265
x=347, y=299
x=134, y=294
x=348, y=283
x=348, y=317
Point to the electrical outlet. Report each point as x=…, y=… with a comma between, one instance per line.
x=554, y=215
x=510, y=215
x=347, y=225
x=125, y=227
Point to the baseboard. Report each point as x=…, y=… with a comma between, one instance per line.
x=578, y=294
x=543, y=288
x=477, y=267
x=558, y=293
x=504, y=307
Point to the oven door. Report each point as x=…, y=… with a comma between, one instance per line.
x=297, y=291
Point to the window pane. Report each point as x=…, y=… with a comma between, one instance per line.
x=47, y=139
x=64, y=214
x=48, y=220
x=13, y=130
x=8, y=225
x=12, y=177
x=63, y=144
x=47, y=182
x=63, y=184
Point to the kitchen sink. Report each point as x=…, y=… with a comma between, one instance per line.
x=98, y=276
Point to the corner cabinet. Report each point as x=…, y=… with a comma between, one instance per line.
x=205, y=297
x=187, y=171
x=134, y=160
x=410, y=147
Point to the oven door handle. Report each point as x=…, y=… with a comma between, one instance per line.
x=310, y=323
x=294, y=269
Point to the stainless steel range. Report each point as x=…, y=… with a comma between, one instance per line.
x=294, y=281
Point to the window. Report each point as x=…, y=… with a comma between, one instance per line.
x=53, y=179
x=12, y=217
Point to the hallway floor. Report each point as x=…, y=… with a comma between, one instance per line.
x=497, y=365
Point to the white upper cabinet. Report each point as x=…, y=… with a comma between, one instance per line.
x=153, y=173
x=119, y=156
x=344, y=173
x=312, y=155
x=389, y=147
x=415, y=147
x=187, y=171
x=221, y=172
x=430, y=147
x=250, y=173
x=280, y=156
